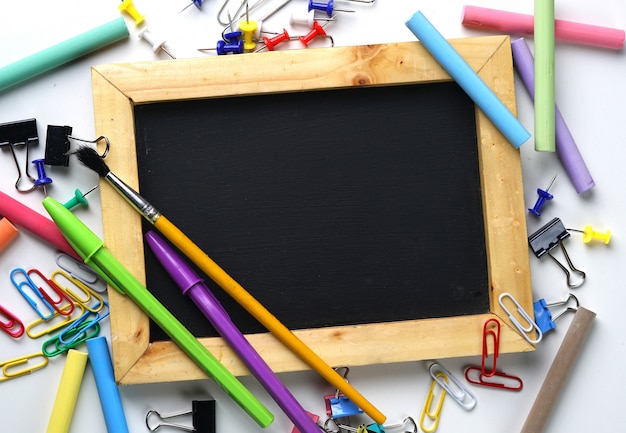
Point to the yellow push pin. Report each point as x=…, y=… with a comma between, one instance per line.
x=128, y=7
x=249, y=30
x=589, y=234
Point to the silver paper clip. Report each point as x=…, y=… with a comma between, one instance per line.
x=524, y=330
x=461, y=394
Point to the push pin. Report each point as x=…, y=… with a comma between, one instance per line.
x=589, y=234
x=78, y=199
x=128, y=7
x=543, y=315
x=196, y=3
x=202, y=414
x=316, y=31
x=541, y=200
x=42, y=180
x=157, y=45
x=328, y=7
x=548, y=237
x=307, y=19
x=226, y=47
x=270, y=43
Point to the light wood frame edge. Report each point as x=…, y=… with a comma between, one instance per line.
x=117, y=88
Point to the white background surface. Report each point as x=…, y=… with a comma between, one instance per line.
x=590, y=92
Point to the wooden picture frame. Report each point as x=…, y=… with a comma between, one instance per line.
x=118, y=88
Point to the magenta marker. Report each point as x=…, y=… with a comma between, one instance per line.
x=194, y=287
x=566, y=147
x=521, y=24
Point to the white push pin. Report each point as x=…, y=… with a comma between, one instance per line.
x=157, y=45
x=306, y=19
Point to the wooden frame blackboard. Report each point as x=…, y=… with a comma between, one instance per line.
x=125, y=92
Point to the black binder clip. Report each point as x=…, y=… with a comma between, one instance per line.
x=544, y=240
x=58, y=145
x=202, y=418
x=20, y=133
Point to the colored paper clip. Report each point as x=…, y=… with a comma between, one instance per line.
x=523, y=330
x=27, y=282
x=85, y=295
x=59, y=307
x=12, y=325
x=69, y=334
x=491, y=329
x=544, y=240
x=77, y=270
x=61, y=348
x=202, y=418
x=57, y=322
x=435, y=415
x=10, y=372
x=460, y=393
x=543, y=315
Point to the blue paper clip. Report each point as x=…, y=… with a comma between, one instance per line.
x=543, y=315
x=83, y=324
x=33, y=303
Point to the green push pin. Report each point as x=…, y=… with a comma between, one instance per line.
x=78, y=199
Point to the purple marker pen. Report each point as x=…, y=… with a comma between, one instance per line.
x=193, y=286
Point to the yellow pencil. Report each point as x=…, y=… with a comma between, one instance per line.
x=91, y=159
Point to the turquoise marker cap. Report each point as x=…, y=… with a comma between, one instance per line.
x=62, y=53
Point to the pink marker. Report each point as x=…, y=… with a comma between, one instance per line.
x=520, y=24
x=25, y=217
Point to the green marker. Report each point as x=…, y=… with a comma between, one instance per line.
x=92, y=250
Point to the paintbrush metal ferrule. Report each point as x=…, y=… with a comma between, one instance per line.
x=134, y=198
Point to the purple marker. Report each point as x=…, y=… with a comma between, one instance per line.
x=193, y=286
x=566, y=147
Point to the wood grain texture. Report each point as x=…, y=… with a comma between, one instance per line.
x=119, y=88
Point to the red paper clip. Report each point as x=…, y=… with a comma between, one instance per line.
x=13, y=326
x=486, y=376
x=58, y=306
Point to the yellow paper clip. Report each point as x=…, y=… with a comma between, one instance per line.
x=435, y=415
x=10, y=372
x=85, y=293
x=57, y=321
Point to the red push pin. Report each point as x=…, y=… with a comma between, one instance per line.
x=270, y=43
x=316, y=31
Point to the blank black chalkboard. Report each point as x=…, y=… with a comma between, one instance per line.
x=331, y=207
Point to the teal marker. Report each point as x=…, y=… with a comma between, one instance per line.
x=92, y=250
x=62, y=53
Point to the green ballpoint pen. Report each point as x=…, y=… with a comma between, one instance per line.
x=91, y=248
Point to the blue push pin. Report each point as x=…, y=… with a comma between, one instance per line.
x=235, y=47
x=327, y=7
x=541, y=200
x=42, y=179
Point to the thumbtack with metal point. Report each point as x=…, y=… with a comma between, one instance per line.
x=328, y=7
x=541, y=200
x=590, y=234
x=307, y=19
x=157, y=45
x=196, y=3
x=128, y=7
x=78, y=199
x=42, y=180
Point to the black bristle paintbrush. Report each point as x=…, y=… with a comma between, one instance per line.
x=91, y=159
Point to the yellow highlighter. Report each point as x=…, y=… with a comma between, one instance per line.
x=67, y=393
